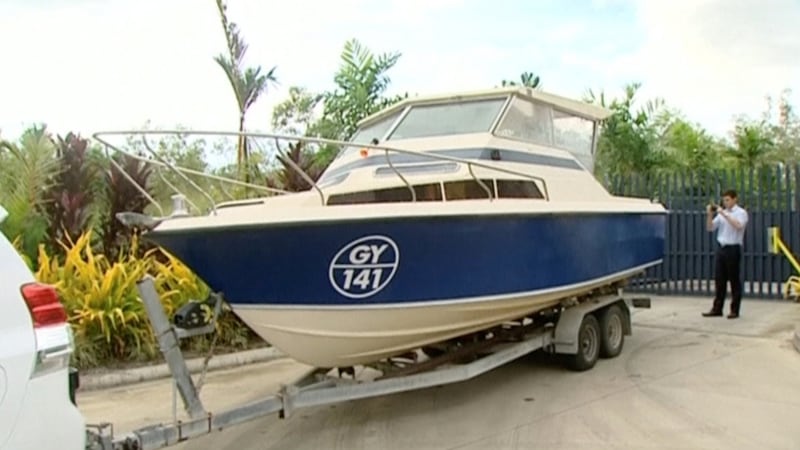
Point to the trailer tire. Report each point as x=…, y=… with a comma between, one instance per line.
x=589, y=341
x=613, y=329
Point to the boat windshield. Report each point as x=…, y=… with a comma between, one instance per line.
x=542, y=124
x=375, y=130
x=472, y=116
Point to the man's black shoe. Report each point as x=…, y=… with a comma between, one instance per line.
x=712, y=314
x=733, y=315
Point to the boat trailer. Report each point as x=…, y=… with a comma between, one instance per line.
x=581, y=329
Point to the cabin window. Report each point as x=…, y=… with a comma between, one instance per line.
x=333, y=180
x=468, y=190
x=573, y=133
x=475, y=116
x=518, y=189
x=375, y=130
x=453, y=190
x=529, y=121
x=425, y=193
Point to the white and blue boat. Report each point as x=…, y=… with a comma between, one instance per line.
x=448, y=215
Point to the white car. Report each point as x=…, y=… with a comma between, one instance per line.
x=37, y=409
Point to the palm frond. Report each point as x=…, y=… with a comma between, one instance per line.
x=25, y=177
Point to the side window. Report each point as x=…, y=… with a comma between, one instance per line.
x=528, y=121
x=453, y=190
x=573, y=133
x=518, y=189
x=468, y=190
x=425, y=193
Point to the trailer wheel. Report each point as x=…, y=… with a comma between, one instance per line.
x=589, y=341
x=611, y=325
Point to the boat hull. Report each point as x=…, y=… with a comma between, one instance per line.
x=347, y=292
x=339, y=337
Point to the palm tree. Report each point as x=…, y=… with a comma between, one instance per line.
x=247, y=83
x=526, y=79
x=754, y=146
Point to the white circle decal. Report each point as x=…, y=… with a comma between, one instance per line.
x=364, y=267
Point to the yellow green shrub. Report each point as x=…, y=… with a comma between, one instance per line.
x=103, y=305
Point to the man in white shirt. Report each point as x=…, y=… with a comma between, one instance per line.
x=730, y=224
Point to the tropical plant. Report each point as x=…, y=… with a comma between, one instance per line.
x=526, y=79
x=753, y=146
x=787, y=130
x=361, y=82
x=102, y=302
x=122, y=176
x=248, y=84
x=26, y=172
x=289, y=179
x=69, y=208
x=775, y=137
x=296, y=114
x=180, y=151
x=629, y=140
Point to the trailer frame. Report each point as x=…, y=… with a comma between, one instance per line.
x=567, y=329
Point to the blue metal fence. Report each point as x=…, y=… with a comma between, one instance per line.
x=770, y=196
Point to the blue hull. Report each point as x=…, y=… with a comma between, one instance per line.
x=396, y=261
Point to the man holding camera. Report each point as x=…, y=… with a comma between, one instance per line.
x=729, y=223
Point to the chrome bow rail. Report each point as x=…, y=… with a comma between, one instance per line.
x=157, y=161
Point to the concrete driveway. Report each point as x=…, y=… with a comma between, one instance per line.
x=682, y=381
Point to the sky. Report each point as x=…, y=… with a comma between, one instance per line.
x=94, y=65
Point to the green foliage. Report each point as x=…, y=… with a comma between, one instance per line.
x=248, y=83
x=103, y=306
x=295, y=115
x=123, y=196
x=64, y=193
x=526, y=79
x=26, y=172
x=361, y=82
x=70, y=207
x=289, y=179
x=626, y=143
x=655, y=139
x=178, y=150
x=774, y=138
x=753, y=146
x=688, y=147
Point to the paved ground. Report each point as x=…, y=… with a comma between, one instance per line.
x=683, y=381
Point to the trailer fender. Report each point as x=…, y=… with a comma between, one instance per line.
x=565, y=336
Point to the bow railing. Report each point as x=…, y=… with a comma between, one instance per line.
x=182, y=173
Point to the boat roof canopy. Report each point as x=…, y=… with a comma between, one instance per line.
x=576, y=107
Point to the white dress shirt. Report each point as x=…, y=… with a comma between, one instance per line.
x=727, y=234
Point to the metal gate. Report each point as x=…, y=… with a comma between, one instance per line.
x=770, y=196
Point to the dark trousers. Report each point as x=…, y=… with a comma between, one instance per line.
x=728, y=268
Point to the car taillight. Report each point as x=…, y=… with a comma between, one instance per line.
x=54, y=341
x=44, y=304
